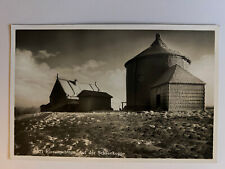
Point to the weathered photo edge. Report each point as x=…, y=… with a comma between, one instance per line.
x=12, y=58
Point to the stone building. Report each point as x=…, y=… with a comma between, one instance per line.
x=157, y=79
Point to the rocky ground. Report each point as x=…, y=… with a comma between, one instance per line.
x=116, y=134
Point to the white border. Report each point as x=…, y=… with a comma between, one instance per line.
x=110, y=27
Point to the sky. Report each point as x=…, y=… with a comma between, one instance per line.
x=99, y=56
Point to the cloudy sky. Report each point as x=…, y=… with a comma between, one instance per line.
x=93, y=55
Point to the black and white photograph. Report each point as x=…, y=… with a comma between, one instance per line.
x=113, y=91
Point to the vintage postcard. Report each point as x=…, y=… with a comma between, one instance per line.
x=113, y=91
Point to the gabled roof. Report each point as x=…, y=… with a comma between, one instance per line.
x=72, y=89
x=176, y=74
x=87, y=93
x=158, y=47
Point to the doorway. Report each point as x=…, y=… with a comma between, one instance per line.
x=158, y=100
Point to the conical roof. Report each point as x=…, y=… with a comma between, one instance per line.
x=159, y=47
x=178, y=75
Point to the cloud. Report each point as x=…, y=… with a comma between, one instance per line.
x=90, y=64
x=34, y=81
x=204, y=69
x=44, y=54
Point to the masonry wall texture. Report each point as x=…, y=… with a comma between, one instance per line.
x=186, y=97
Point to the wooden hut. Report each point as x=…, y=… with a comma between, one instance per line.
x=71, y=96
x=94, y=101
